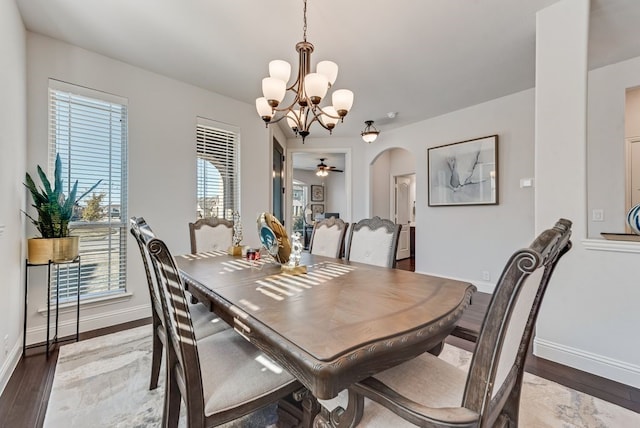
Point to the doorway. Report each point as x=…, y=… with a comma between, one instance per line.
x=277, y=175
x=335, y=196
x=402, y=215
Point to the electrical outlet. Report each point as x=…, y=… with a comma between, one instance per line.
x=486, y=276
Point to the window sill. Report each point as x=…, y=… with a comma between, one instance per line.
x=87, y=303
x=612, y=246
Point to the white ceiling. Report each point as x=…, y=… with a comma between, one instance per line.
x=420, y=58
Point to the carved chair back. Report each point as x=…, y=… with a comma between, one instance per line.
x=327, y=238
x=373, y=241
x=183, y=362
x=142, y=232
x=495, y=376
x=210, y=234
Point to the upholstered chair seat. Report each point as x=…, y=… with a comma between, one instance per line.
x=232, y=372
x=442, y=388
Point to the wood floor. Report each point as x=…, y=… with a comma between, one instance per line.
x=24, y=401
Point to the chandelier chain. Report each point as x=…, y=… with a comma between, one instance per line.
x=304, y=27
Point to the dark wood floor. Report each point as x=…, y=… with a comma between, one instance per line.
x=24, y=401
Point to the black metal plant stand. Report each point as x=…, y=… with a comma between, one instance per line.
x=51, y=341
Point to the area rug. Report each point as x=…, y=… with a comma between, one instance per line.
x=103, y=382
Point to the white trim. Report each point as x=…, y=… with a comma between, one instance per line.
x=482, y=286
x=613, y=246
x=616, y=370
x=84, y=91
x=92, y=322
x=10, y=364
x=70, y=306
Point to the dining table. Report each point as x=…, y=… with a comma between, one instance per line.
x=336, y=324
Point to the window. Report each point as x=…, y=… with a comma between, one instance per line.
x=217, y=169
x=89, y=130
x=300, y=199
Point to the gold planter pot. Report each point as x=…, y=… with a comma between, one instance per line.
x=41, y=250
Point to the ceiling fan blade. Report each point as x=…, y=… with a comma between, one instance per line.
x=333, y=169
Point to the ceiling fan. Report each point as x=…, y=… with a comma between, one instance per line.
x=323, y=169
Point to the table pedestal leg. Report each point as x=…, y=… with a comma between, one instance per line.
x=339, y=417
x=310, y=407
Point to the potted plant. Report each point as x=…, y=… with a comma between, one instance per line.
x=54, y=214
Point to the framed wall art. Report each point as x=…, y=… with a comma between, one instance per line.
x=317, y=209
x=317, y=193
x=464, y=173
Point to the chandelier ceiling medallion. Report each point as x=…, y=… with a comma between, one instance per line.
x=309, y=89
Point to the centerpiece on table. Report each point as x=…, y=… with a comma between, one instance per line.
x=275, y=240
x=54, y=214
x=236, y=249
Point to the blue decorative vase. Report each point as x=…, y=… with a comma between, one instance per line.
x=633, y=219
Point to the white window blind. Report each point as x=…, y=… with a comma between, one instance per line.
x=218, y=183
x=88, y=129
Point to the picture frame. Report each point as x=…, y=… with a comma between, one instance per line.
x=317, y=193
x=463, y=173
x=317, y=209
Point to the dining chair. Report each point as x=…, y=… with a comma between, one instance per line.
x=205, y=322
x=327, y=238
x=427, y=391
x=221, y=377
x=373, y=241
x=210, y=234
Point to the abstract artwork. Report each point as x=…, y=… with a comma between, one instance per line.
x=464, y=173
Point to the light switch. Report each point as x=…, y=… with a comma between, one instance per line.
x=526, y=182
x=1, y=229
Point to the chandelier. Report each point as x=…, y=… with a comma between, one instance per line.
x=309, y=90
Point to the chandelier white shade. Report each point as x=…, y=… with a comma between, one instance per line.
x=308, y=91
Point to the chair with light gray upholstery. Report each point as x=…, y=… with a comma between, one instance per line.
x=210, y=234
x=221, y=377
x=205, y=322
x=427, y=391
x=327, y=238
x=373, y=241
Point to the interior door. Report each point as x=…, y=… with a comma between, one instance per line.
x=403, y=216
x=278, y=181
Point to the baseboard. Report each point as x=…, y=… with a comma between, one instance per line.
x=482, y=286
x=88, y=323
x=10, y=364
x=616, y=370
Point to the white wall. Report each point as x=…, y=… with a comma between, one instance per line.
x=606, y=143
x=632, y=112
x=13, y=138
x=162, y=158
x=463, y=241
x=591, y=305
x=380, y=179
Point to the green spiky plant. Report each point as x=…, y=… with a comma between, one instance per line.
x=54, y=209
